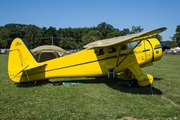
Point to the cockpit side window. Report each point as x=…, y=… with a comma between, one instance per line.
x=99, y=52
x=112, y=49
x=123, y=47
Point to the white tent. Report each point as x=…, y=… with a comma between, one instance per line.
x=48, y=52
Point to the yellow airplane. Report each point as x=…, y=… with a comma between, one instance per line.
x=124, y=54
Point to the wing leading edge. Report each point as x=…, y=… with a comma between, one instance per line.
x=127, y=38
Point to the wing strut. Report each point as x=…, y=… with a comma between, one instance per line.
x=117, y=64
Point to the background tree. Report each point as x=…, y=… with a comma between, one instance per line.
x=91, y=36
x=67, y=38
x=32, y=36
x=9, y=32
x=4, y=38
x=125, y=31
x=105, y=28
x=49, y=36
x=169, y=44
x=114, y=33
x=176, y=37
x=136, y=29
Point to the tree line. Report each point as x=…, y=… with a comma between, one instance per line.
x=67, y=38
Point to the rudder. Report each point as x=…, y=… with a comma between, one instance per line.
x=20, y=57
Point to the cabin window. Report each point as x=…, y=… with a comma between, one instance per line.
x=133, y=44
x=112, y=49
x=99, y=52
x=123, y=47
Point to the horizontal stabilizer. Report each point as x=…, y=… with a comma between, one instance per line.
x=30, y=67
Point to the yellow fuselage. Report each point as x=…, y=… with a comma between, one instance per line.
x=92, y=62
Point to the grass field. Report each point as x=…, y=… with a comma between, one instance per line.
x=101, y=99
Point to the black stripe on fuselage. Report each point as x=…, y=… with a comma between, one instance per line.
x=146, y=50
x=74, y=65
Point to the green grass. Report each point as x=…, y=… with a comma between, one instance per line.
x=96, y=98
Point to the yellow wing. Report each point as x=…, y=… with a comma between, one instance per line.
x=127, y=38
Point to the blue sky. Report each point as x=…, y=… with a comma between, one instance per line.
x=149, y=14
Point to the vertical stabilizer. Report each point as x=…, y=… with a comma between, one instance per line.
x=20, y=57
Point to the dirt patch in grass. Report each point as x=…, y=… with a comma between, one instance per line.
x=170, y=101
